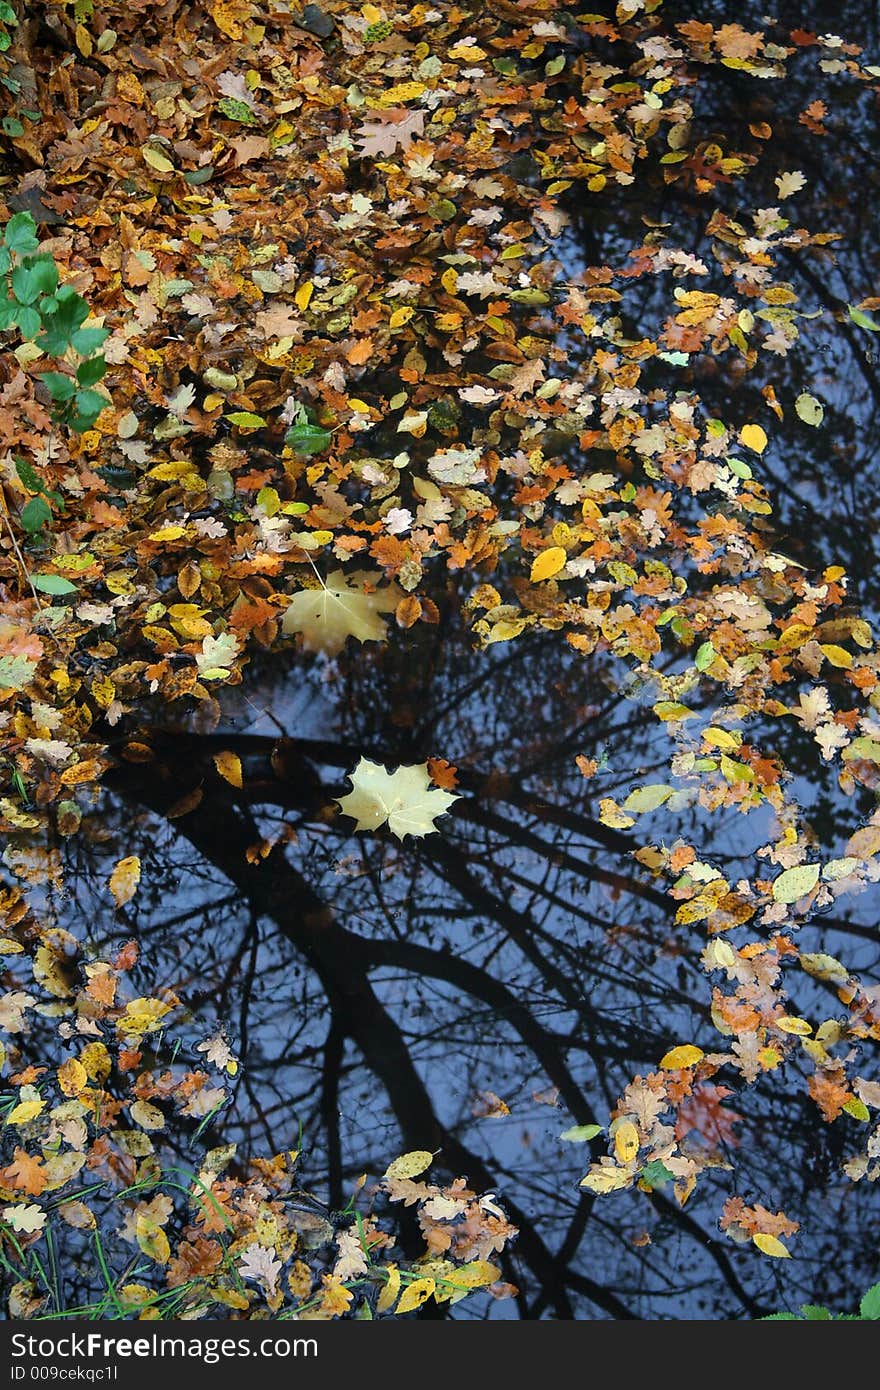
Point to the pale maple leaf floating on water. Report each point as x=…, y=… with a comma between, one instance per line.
x=406, y=799
x=326, y=617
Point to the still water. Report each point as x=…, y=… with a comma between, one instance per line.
x=480, y=991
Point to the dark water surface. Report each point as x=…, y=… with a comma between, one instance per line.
x=522, y=952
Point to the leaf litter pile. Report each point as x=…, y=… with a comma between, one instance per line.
x=290, y=341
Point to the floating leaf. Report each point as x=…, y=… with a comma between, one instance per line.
x=808, y=409
x=407, y=799
x=626, y=1141
x=339, y=609
x=648, y=798
x=795, y=883
x=605, y=1178
x=862, y=319
x=125, y=879
x=229, y=766
x=686, y=1055
x=580, y=1134
x=410, y=1165
x=771, y=1245
x=415, y=1294
x=548, y=563
x=754, y=438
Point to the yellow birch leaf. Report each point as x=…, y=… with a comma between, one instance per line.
x=771, y=1245
x=649, y=798
x=390, y=1290
x=410, y=1165
x=72, y=1076
x=449, y=280
x=157, y=160
x=721, y=738
x=799, y=1026
x=23, y=1112
x=684, y=1056
x=548, y=563
x=146, y=1115
x=125, y=879
x=415, y=1294
x=796, y=883
x=152, y=1240
x=754, y=438
x=858, y=1109
x=610, y=814
x=400, y=317
x=142, y=1016
x=836, y=656
x=475, y=1275
x=626, y=1141
x=229, y=766
x=304, y=294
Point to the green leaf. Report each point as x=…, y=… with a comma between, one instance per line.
x=43, y=272
x=648, y=798
x=580, y=1134
x=90, y=371
x=52, y=584
x=12, y=127
x=59, y=386
x=34, y=515
x=28, y=321
x=863, y=320
x=89, y=404
x=20, y=233
x=814, y=1312
x=237, y=111
x=24, y=285
x=655, y=1174
x=706, y=654
x=16, y=672
x=796, y=883
x=246, y=419
x=308, y=439
x=27, y=475
x=870, y=1304
x=85, y=340
x=808, y=409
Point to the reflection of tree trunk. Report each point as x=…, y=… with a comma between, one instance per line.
x=342, y=960
x=337, y=956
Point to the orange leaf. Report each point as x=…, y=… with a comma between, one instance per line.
x=229, y=766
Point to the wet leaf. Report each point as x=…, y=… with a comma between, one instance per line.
x=795, y=883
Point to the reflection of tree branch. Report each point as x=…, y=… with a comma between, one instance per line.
x=338, y=958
